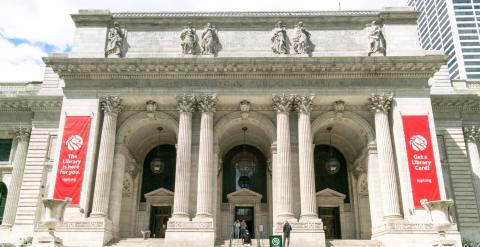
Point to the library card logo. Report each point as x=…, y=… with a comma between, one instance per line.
x=418, y=143
x=74, y=142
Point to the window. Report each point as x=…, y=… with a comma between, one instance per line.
x=3, y=199
x=5, y=148
x=441, y=148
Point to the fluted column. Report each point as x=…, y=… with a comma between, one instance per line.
x=283, y=104
x=380, y=105
x=305, y=154
x=185, y=105
x=207, y=104
x=22, y=135
x=111, y=105
x=472, y=136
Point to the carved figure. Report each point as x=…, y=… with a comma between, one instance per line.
x=210, y=41
x=115, y=39
x=279, y=39
x=189, y=39
x=301, y=39
x=377, y=40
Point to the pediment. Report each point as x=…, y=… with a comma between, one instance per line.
x=331, y=193
x=159, y=192
x=244, y=193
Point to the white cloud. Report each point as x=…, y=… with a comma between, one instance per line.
x=48, y=21
x=20, y=63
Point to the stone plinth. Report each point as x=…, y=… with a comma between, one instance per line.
x=305, y=234
x=198, y=233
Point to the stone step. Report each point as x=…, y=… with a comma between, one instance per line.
x=238, y=243
x=353, y=243
x=138, y=242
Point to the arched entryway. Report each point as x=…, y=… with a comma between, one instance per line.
x=3, y=199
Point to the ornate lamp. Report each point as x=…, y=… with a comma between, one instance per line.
x=332, y=165
x=157, y=165
x=246, y=165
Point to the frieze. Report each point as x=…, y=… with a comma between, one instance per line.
x=313, y=226
x=19, y=105
x=405, y=226
x=189, y=225
x=74, y=226
x=459, y=103
x=243, y=68
x=174, y=108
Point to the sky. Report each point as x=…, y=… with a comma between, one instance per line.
x=30, y=29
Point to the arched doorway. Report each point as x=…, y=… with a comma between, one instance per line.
x=3, y=199
x=245, y=172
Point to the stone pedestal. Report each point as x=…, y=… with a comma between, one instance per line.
x=48, y=240
x=198, y=233
x=304, y=233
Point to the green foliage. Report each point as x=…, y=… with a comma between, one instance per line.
x=26, y=242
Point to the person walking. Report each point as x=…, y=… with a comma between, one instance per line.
x=243, y=227
x=287, y=228
x=236, y=226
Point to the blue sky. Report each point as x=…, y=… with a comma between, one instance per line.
x=30, y=29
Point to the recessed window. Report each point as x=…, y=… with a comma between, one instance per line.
x=5, y=148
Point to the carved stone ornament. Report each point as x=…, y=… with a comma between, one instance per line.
x=245, y=108
x=378, y=45
x=304, y=103
x=210, y=42
x=189, y=39
x=22, y=134
x=279, y=38
x=339, y=107
x=472, y=133
x=283, y=103
x=111, y=104
x=186, y=103
x=151, y=106
x=115, y=41
x=301, y=39
x=127, y=187
x=380, y=103
x=133, y=171
x=207, y=103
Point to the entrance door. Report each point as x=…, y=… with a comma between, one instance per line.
x=331, y=222
x=158, y=220
x=246, y=213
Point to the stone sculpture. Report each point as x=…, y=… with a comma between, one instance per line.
x=210, y=41
x=52, y=216
x=115, y=39
x=279, y=39
x=301, y=39
x=189, y=39
x=378, y=44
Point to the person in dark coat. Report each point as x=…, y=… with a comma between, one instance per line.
x=247, y=239
x=287, y=228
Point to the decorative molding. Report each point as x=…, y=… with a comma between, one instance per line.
x=111, y=104
x=207, y=102
x=472, y=133
x=458, y=103
x=22, y=134
x=283, y=103
x=380, y=103
x=243, y=68
x=174, y=108
x=304, y=103
x=200, y=226
x=186, y=103
x=245, y=108
x=30, y=105
x=151, y=106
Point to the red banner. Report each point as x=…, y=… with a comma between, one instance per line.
x=421, y=162
x=72, y=158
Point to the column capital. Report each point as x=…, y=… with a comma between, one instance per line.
x=303, y=104
x=22, y=134
x=282, y=103
x=471, y=133
x=380, y=103
x=111, y=104
x=185, y=103
x=207, y=102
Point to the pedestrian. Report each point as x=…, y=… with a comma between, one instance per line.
x=236, y=226
x=247, y=239
x=243, y=227
x=287, y=228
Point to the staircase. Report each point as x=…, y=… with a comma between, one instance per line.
x=139, y=242
x=238, y=243
x=353, y=243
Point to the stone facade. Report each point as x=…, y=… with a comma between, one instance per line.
x=335, y=91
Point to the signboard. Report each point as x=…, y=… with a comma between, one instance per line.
x=72, y=158
x=421, y=162
x=275, y=241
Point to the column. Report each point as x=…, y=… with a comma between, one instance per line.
x=380, y=105
x=374, y=191
x=305, y=153
x=472, y=136
x=22, y=135
x=111, y=105
x=283, y=104
x=207, y=104
x=118, y=175
x=185, y=105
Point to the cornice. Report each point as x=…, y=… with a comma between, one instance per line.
x=398, y=67
x=461, y=103
x=229, y=108
x=48, y=104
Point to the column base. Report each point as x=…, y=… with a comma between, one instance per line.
x=307, y=232
x=199, y=233
x=48, y=240
x=401, y=233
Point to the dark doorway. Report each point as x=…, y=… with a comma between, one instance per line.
x=246, y=213
x=158, y=220
x=331, y=222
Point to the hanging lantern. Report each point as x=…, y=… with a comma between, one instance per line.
x=157, y=165
x=332, y=165
x=245, y=165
